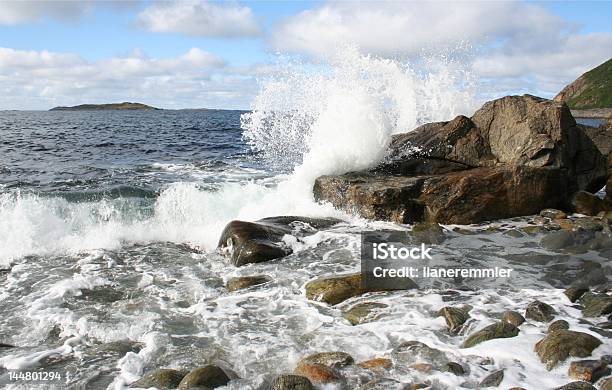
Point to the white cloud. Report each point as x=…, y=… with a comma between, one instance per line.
x=513, y=42
x=409, y=27
x=42, y=79
x=200, y=18
x=14, y=12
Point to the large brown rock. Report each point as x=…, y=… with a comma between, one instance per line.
x=560, y=344
x=256, y=242
x=516, y=156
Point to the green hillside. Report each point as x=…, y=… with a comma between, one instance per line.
x=591, y=90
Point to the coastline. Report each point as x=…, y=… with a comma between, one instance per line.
x=593, y=113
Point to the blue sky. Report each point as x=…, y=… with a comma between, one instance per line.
x=199, y=53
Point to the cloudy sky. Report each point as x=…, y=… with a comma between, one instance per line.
x=212, y=54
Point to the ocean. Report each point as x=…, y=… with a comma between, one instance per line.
x=109, y=223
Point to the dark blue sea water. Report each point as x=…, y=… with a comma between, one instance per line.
x=116, y=152
x=594, y=122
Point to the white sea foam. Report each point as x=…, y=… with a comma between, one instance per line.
x=314, y=120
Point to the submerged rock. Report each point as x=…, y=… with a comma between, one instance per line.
x=363, y=312
x=243, y=282
x=560, y=344
x=497, y=330
x=256, y=242
x=455, y=317
x=334, y=359
x=455, y=368
x=540, y=311
x=162, y=378
x=376, y=364
x=291, y=382
x=516, y=156
x=558, y=240
x=587, y=370
x=414, y=352
x=493, y=379
x=206, y=377
x=595, y=305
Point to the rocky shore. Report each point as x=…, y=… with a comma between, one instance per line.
x=518, y=156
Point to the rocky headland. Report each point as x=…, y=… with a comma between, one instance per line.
x=515, y=156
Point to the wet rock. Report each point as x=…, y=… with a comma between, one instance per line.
x=560, y=344
x=588, y=224
x=577, y=386
x=335, y=289
x=455, y=317
x=513, y=317
x=256, y=242
x=596, y=305
x=540, y=311
x=335, y=359
x=455, y=368
x=412, y=352
x=376, y=363
x=207, y=377
x=291, y=382
x=587, y=370
x=574, y=293
x=428, y=233
x=494, y=331
x=558, y=240
x=162, y=378
x=469, y=170
x=589, y=204
x=493, y=379
x=553, y=214
x=317, y=373
x=558, y=325
x=533, y=230
x=607, y=383
x=363, y=312
x=243, y=282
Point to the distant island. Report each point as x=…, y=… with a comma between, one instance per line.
x=590, y=95
x=111, y=106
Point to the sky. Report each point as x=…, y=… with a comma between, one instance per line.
x=194, y=54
